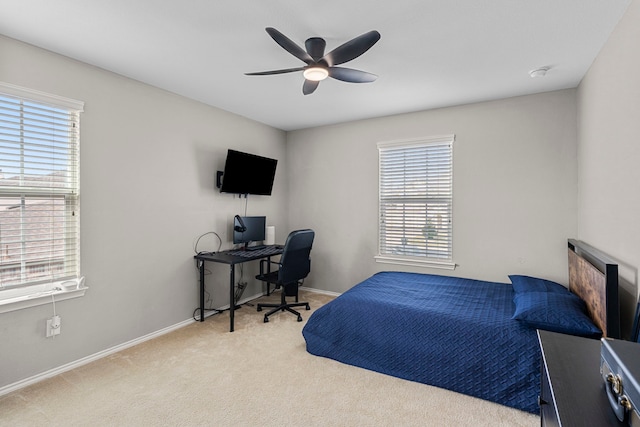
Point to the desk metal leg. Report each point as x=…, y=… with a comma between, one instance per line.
x=232, y=303
x=269, y=271
x=201, y=291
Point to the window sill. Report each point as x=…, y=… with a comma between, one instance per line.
x=415, y=262
x=18, y=299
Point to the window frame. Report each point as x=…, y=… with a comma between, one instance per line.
x=422, y=260
x=42, y=290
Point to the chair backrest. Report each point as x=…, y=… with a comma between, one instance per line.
x=295, y=262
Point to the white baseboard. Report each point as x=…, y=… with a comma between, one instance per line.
x=320, y=291
x=104, y=353
x=80, y=362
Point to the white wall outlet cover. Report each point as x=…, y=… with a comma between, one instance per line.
x=53, y=326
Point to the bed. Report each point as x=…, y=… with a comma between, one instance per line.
x=461, y=334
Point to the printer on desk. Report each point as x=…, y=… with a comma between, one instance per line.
x=620, y=369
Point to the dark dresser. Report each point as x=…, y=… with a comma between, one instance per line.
x=572, y=392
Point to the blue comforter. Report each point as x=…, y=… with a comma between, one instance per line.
x=447, y=332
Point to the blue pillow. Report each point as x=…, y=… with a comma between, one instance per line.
x=556, y=312
x=533, y=284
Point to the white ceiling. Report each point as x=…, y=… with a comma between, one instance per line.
x=433, y=53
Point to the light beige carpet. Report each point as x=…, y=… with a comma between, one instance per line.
x=259, y=375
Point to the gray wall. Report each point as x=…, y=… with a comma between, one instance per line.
x=148, y=162
x=609, y=152
x=514, y=188
x=523, y=168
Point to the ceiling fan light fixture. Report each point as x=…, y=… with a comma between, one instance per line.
x=315, y=73
x=319, y=66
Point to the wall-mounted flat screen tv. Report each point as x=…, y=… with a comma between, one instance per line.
x=246, y=173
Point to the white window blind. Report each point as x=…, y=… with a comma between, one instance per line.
x=416, y=193
x=39, y=187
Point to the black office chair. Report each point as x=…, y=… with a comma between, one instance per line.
x=294, y=265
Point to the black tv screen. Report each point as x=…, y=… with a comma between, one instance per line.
x=246, y=173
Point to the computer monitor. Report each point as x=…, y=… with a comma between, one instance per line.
x=254, y=229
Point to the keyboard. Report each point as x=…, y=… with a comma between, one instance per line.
x=265, y=251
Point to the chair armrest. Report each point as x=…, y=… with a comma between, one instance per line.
x=264, y=263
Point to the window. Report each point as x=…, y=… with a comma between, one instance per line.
x=415, y=202
x=39, y=188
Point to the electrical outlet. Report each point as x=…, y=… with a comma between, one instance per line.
x=53, y=326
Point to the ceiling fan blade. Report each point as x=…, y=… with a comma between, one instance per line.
x=268, y=73
x=352, y=49
x=315, y=47
x=289, y=45
x=350, y=75
x=309, y=86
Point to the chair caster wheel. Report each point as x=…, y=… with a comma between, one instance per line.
x=266, y=319
x=299, y=318
x=308, y=308
x=259, y=308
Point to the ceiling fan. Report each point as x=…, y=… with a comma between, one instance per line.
x=320, y=66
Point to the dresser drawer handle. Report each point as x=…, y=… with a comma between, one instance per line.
x=619, y=402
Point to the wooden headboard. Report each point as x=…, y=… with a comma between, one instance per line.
x=593, y=276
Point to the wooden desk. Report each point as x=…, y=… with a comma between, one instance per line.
x=572, y=390
x=231, y=258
